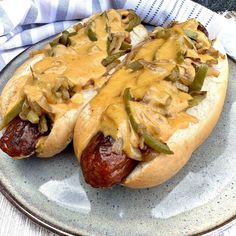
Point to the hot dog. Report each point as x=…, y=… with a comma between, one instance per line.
x=156, y=110
x=47, y=92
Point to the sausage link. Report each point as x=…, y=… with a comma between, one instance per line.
x=203, y=29
x=20, y=138
x=101, y=167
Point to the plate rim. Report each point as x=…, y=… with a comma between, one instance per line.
x=63, y=232
x=56, y=228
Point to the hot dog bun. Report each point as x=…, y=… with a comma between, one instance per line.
x=61, y=132
x=63, y=128
x=185, y=141
x=111, y=113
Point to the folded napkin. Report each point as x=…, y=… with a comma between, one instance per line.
x=26, y=22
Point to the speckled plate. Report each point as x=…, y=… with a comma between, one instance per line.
x=199, y=198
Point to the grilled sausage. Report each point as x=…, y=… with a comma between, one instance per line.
x=101, y=167
x=19, y=138
x=203, y=29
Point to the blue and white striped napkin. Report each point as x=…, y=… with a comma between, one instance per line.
x=23, y=23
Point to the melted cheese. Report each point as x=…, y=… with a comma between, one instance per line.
x=169, y=49
x=115, y=22
x=181, y=121
x=159, y=107
x=118, y=126
x=149, y=50
x=107, y=110
x=80, y=63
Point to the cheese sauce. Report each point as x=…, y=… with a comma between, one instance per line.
x=75, y=67
x=158, y=104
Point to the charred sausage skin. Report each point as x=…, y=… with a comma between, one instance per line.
x=101, y=167
x=20, y=138
x=203, y=29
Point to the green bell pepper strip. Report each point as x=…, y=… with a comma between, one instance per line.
x=109, y=39
x=198, y=96
x=106, y=61
x=125, y=46
x=135, y=65
x=127, y=99
x=156, y=144
x=43, y=127
x=201, y=72
x=191, y=34
x=63, y=39
x=71, y=33
x=54, y=42
x=134, y=20
x=108, y=46
x=174, y=75
x=15, y=110
x=108, y=30
x=149, y=140
x=163, y=33
x=179, y=57
x=33, y=117
x=91, y=34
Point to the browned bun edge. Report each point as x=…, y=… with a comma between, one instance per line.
x=185, y=141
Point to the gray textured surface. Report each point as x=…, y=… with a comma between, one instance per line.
x=218, y=5
x=12, y=222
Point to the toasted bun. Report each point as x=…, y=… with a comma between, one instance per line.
x=62, y=131
x=185, y=141
x=59, y=137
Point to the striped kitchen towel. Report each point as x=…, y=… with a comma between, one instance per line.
x=23, y=23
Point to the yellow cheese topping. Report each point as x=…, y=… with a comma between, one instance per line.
x=67, y=69
x=159, y=103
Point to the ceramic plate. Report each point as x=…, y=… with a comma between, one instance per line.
x=200, y=197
